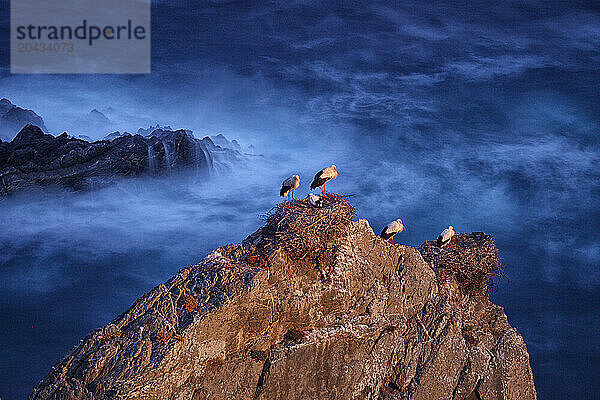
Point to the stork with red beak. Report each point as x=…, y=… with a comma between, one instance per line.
x=324, y=176
x=288, y=186
x=391, y=229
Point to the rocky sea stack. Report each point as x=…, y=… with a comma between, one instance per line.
x=34, y=159
x=311, y=306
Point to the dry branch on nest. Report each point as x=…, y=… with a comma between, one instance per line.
x=306, y=231
x=473, y=262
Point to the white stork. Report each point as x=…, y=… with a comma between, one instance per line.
x=288, y=186
x=324, y=176
x=391, y=229
x=315, y=201
x=445, y=237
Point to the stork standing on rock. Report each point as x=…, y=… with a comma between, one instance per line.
x=288, y=186
x=445, y=237
x=324, y=176
x=391, y=229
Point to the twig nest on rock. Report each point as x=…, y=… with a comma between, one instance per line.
x=305, y=231
x=473, y=262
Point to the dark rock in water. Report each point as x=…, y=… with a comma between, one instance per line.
x=362, y=319
x=28, y=135
x=162, y=133
x=34, y=159
x=13, y=119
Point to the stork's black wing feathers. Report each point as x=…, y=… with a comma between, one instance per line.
x=284, y=190
x=317, y=181
x=384, y=235
x=440, y=241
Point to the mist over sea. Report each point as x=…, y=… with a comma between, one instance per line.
x=485, y=117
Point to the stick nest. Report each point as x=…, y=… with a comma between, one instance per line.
x=305, y=231
x=473, y=262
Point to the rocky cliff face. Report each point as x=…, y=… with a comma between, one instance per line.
x=34, y=159
x=298, y=312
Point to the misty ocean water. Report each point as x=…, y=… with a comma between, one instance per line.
x=484, y=117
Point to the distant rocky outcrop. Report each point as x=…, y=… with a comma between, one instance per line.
x=34, y=159
x=94, y=124
x=220, y=157
x=222, y=141
x=14, y=118
x=147, y=132
x=98, y=117
x=85, y=137
x=113, y=135
x=311, y=306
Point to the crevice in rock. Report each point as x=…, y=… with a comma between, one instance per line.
x=263, y=377
x=476, y=391
x=423, y=364
x=461, y=377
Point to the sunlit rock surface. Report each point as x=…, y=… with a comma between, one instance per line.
x=365, y=320
x=34, y=159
